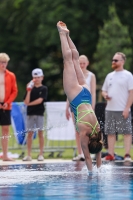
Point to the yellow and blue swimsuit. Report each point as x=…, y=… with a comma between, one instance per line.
x=84, y=97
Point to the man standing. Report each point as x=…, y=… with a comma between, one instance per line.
x=118, y=91
x=8, y=92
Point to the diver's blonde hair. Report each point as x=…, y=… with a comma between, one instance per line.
x=4, y=57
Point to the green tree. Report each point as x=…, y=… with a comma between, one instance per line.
x=124, y=10
x=114, y=37
x=28, y=34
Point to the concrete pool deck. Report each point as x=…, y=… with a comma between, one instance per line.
x=35, y=161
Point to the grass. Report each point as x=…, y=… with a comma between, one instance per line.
x=67, y=146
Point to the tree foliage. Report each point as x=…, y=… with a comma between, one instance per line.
x=29, y=36
x=125, y=13
x=114, y=37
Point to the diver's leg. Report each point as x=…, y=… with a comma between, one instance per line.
x=70, y=81
x=75, y=58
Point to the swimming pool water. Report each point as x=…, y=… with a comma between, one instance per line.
x=61, y=181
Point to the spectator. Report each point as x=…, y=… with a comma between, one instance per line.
x=35, y=97
x=118, y=91
x=8, y=92
x=91, y=82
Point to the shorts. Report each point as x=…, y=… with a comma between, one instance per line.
x=116, y=123
x=5, y=117
x=35, y=122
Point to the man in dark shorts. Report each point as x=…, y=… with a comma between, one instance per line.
x=8, y=92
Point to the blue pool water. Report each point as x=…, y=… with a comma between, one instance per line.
x=63, y=181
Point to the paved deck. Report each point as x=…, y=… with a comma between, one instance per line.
x=34, y=161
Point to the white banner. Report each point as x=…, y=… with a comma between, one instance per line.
x=59, y=128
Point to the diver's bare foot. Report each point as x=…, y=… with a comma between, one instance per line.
x=8, y=159
x=62, y=27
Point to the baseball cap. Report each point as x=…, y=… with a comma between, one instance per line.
x=37, y=72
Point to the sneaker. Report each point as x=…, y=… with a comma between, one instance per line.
x=127, y=157
x=79, y=158
x=27, y=158
x=40, y=158
x=108, y=158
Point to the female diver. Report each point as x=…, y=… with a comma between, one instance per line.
x=79, y=97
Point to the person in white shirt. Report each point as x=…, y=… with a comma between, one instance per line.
x=118, y=91
x=91, y=82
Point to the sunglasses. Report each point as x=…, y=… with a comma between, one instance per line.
x=115, y=60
